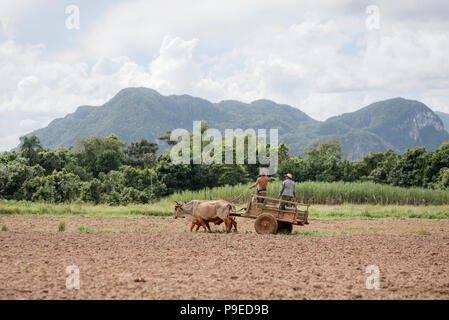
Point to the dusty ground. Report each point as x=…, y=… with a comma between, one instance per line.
x=153, y=258
x=168, y=224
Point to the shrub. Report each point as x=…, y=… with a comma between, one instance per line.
x=61, y=226
x=91, y=191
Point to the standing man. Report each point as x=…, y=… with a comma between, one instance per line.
x=261, y=184
x=288, y=191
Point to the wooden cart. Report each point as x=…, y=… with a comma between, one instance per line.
x=271, y=215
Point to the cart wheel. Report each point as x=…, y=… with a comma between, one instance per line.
x=266, y=224
x=285, y=227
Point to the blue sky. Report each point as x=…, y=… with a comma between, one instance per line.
x=318, y=56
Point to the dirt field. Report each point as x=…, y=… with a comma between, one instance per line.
x=154, y=258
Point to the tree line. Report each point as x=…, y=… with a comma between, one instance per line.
x=413, y=168
x=107, y=170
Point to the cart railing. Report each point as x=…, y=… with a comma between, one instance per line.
x=269, y=211
x=273, y=205
x=281, y=200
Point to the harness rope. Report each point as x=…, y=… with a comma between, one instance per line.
x=238, y=197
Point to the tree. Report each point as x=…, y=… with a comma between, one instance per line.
x=141, y=153
x=181, y=176
x=322, y=161
x=29, y=148
x=348, y=172
x=283, y=154
x=409, y=169
x=442, y=179
x=8, y=156
x=324, y=149
x=226, y=174
x=92, y=148
x=438, y=160
x=295, y=166
x=13, y=177
x=369, y=163
x=383, y=171
x=166, y=137
x=111, y=182
x=91, y=191
x=108, y=160
x=50, y=161
x=62, y=187
x=132, y=177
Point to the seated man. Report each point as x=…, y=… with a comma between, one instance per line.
x=288, y=191
x=261, y=184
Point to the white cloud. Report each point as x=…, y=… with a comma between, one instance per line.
x=317, y=56
x=28, y=123
x=10, y=141
x=43, y=88
x=174, y=70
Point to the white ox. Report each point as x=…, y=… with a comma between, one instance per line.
x=204, y=211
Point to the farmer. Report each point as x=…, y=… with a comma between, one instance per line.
x=261, y=184
x=288, y=191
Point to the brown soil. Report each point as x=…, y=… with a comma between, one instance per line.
x=153, y=258
x=168, y=224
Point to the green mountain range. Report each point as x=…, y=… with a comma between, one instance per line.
x=445, y=118
x=136, y=113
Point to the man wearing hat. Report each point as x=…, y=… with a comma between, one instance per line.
x=288, y=191
x=261, y=184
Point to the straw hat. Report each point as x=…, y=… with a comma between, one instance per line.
x=289, y=175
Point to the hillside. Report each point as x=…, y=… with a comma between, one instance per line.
x=395, y=124
x=445, y=118
x=136, y=113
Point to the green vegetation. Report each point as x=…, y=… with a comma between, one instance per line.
x=61, y=226
x=394, y=122
x=345, y=211
x=327, y=193
x=13, y=207
x=423, y=233
x=5, y=228
x=84, y=229
x=165, y=208
x=144, y=113
x=106, y=170
x=445, y=118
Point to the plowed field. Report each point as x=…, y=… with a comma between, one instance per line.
x=155, y=258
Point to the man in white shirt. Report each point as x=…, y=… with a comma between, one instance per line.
x=288, y=191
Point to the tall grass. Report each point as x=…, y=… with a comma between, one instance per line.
x=166, y=208
x=327, y=193
x=61, y=226
x=12, y=207
x=360, y=199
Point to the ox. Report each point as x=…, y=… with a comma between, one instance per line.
x=216, y=222
x=204, y=211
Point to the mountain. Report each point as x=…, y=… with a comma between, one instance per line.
x=136, y=113
x=395, y=124
x=445, y=118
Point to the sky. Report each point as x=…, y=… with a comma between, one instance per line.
x=323, y=57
